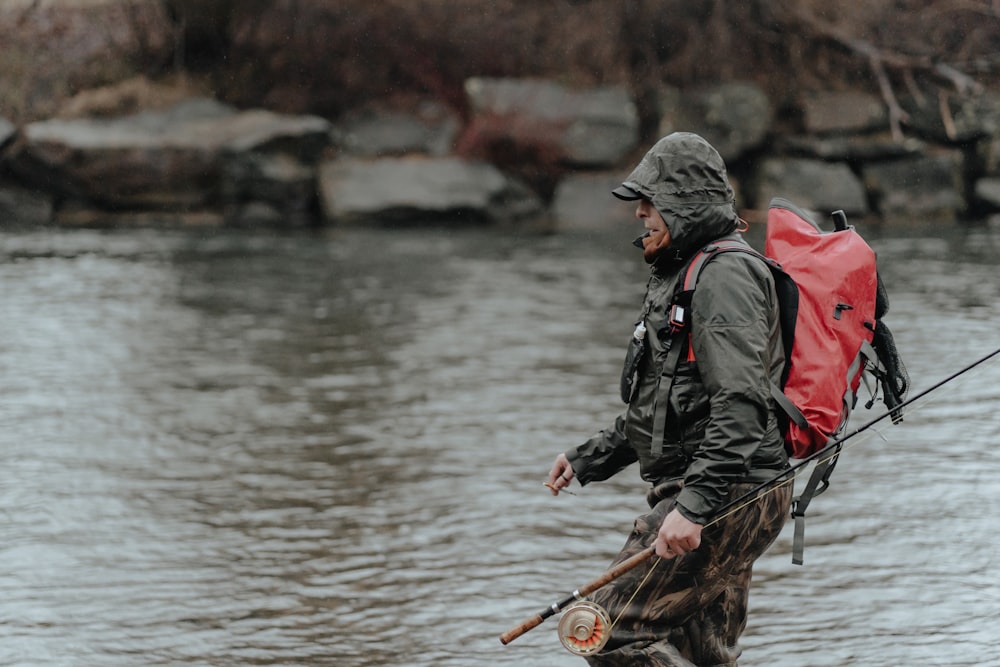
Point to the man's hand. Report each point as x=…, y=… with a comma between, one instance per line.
x=561, y=475
x=677, y=536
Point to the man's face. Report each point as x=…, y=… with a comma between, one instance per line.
x=657, y=238
x=649, y=216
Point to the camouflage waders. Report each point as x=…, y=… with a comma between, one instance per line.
x=692, y=609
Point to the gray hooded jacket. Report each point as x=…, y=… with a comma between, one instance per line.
x=721, y=423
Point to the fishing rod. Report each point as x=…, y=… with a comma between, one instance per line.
x=588, y=634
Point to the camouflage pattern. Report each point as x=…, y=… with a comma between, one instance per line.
x=692, y=609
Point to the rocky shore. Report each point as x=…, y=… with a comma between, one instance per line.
x=529, y=151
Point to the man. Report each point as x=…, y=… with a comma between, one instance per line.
x=704, y=430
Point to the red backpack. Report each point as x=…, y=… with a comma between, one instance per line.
x=831, y=301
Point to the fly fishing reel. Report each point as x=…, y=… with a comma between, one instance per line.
x=584, y=628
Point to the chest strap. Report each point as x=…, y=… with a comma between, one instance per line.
x=664, y=384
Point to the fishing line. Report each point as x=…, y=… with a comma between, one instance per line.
x=634, y=593
x=836, y=445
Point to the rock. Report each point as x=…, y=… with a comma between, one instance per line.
x=22, y=207
x=276, y=189
x=987, y=193
x=812, y=184
x=262, y=214
x=987, y=154
x=7, y=132
x=595, y=127
x=82, y=214
x=52, y=48
x=584, y=201
x=161, y=159
x=431, y=129
x=516, y=203
x=918, y=188
x=420, y=188
x=128, y=97
x=303, y=137
x=852, y=148
x=840, y=112
x=956, y=119
x=734, y=117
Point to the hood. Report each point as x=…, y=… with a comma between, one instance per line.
x=685, y=179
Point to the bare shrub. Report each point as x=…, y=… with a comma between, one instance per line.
x=327, y=56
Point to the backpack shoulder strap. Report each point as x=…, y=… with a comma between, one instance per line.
x=787, y=295
x=678, y=320
x=705, y=255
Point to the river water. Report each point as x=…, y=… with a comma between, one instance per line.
x=236, y=448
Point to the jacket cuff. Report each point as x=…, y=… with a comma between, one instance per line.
x=693, y=507
x=579, y=466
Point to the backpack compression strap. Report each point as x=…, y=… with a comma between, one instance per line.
x=820, y=476
x=819, y=479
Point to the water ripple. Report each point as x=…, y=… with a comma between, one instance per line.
x=328, y=450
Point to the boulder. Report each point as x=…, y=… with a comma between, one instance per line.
x=131, y=96
x=813, y=184
x=167, y=159
x=268, y=188
x=303, y=137
x=956, y=119
x=734, y=117
x=22, y=207
x=848, y=148
x=842, y=112
x=420, y=188
x=918, y=188
x=7, y=132
x=987, y=193
x=83, y=214
x=595, y=127
x=430, y=128
x=987, y=155
x=52, y=48
x=584, y=201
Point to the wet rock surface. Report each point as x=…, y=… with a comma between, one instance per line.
x=202, y=158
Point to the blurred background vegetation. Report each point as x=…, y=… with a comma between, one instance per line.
x=328, y=56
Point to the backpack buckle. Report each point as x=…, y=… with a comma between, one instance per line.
x=677, y=318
